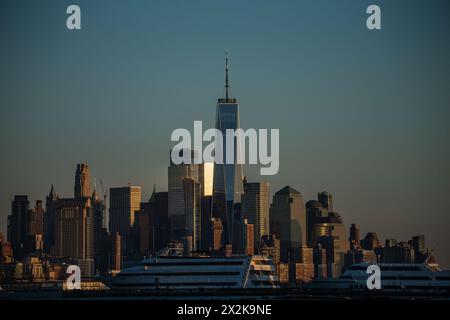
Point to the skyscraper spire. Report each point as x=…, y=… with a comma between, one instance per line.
x=226, y=75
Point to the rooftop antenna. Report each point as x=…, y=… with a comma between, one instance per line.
x=226, y=75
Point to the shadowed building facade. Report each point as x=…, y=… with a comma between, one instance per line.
x=123, y=203
x=288, y=222
x=255, y=208
x=17, y=224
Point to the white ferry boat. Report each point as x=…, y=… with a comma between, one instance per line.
x=199, y=272
x=394, y=277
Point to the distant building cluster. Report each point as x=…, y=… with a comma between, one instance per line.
x=208, y=209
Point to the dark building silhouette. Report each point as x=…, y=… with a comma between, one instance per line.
x=314, y=210
x=153, y=224
x=49, y=219
x=354, y=237
x=35, y=219
x=17, y=225
x=420, y=250
x=326, y=199
x=320, y=261
x=123, y=204
x=402, y=252
x=206, y=222
x=193, y=215
x=117, y=252
x=358, y=256
x=100, y=233
x=255, y=208
x=370, y=241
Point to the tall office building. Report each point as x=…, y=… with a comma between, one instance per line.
x=123, y=204
x=82, y=186
x=49, y=219
x=101, y=236
x=228, y=185
x=193, y=206
x=117, y=252
x=331, y=234
x=153, y=224
x=288, y=222
x=332, y=226
x=255, y=208
x=178, y=208
x=314, y=210
x=248, y=237
x=74, y=223
x=189, y=183
x=206, y=222
x=99, y=211
x=17, y=224
x=74, y=229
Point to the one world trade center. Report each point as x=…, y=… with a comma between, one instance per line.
x=228, y=177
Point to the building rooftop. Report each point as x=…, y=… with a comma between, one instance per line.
x=287, y=190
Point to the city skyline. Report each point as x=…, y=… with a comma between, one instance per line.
x=379, y=149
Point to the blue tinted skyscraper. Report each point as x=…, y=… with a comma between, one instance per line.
x=228, y=184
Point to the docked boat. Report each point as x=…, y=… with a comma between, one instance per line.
x=199, y=272
x=394, y=277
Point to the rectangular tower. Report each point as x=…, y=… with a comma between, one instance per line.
x=124, y=202
x=255, y=208
x=288, y=222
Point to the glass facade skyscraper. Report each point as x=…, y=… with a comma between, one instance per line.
x=228, y=183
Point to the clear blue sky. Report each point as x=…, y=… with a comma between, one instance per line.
x=362, y=114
